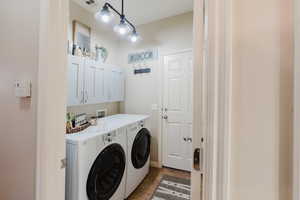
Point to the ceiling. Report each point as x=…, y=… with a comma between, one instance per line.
x=144, y=11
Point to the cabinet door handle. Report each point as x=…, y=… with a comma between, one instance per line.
x=82, y=97
x=86, y=97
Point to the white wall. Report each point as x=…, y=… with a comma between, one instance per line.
x=101, y=37
x=168, y=35
x=262, y=100
x=18, y=60
x=112, y=108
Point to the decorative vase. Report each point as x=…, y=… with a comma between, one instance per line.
x=101, y=54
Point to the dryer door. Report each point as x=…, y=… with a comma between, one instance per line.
x=106, y=173
x=141, y=148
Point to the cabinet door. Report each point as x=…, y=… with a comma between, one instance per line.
x=121, y=86
x=95, y=91
x=116, y=84
x=75, y=80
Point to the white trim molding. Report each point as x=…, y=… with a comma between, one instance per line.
x=225, y=101
x=199, y=102
x=52, y=92
x=296, y=137
x=155, y=164
x=219, y=85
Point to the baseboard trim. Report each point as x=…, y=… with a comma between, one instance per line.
x=154, y=164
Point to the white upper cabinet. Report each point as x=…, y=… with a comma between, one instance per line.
x=116, y=82
x=90, y=82
x=95, y=90
x=75, y=81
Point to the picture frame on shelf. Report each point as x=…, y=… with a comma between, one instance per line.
x=82, y=36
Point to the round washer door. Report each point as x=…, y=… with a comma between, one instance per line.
x=106, y=173
x=141, y=148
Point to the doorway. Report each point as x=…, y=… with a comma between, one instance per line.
x=50, y=12
x=177, y=110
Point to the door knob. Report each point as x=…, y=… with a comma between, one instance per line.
x=165, y=116
x=189, y=139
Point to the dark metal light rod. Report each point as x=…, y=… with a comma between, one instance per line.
x=122, y=7
x=121, y=14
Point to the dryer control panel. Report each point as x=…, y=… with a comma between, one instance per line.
x=141, y=124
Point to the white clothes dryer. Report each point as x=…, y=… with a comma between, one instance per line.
x=138, y=154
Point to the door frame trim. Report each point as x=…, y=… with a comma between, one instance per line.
x=52, y=13
x=296, y=134
x=223, y=12
x=52, y=100
x=160, y=101
x=215, y=94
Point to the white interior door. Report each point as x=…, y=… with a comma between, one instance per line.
x=177, y=111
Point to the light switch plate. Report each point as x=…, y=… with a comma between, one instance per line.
x=23, y=88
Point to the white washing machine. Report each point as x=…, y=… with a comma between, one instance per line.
x=96, y=166
x=138, y=159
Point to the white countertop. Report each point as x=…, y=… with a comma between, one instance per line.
x=105, y=125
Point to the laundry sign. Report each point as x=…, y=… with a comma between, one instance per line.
x=143, y=56
x=142, y=71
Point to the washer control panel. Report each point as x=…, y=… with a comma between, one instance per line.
x=109, y=137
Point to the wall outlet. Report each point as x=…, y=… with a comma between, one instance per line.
x=101, y=113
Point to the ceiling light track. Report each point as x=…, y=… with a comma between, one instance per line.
x=122, y=16
x=123, y=28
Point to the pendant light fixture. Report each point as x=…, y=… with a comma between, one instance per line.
x=124, y=27
x=104, y=15
x=134, y=37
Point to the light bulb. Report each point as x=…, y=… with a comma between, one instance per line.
x=134, y=37
x=105, y=18
x=122, y=28
x=104, y=15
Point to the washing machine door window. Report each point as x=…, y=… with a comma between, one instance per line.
x=141, y=148
x=106, y=173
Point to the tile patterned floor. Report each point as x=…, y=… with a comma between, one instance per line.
x=148, y=186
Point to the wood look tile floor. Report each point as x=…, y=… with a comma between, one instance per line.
x=148, y=186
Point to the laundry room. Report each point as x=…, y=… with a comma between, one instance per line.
x=129, y=102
